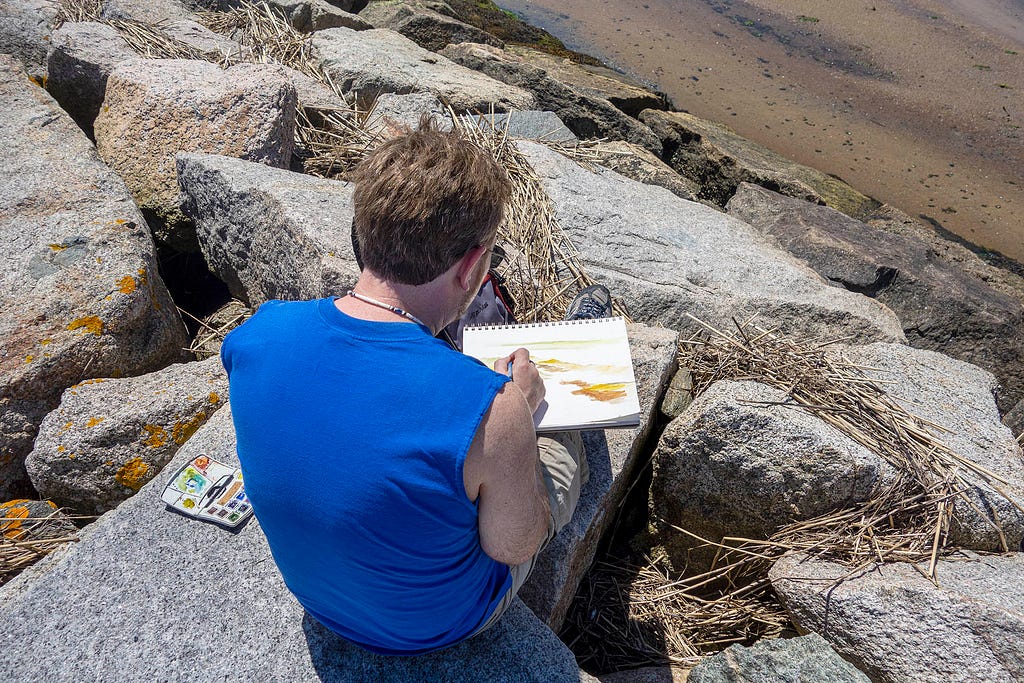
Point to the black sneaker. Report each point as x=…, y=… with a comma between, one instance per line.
x=593, y=302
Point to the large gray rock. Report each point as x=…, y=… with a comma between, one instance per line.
x=398, y=112
x=80, y=295
x=25, y=27
x=1015, y=420
x=427, y=28
x=80, y=59
x=637, y=163
x=152, y=12
x=613, y=456
x=897, y=626
x=627, y=94
x=585, y=115
x=156, y=108
x=368, y=63
x=543, y=126
x=132, y=579
x=791, y=660
x=667, y=257
x=719, y=160
x=108, y=437
x=211, y=46
x=958, y=398
x=940, y=306
x=256, y=223
x=316, y=15
x=733, y=465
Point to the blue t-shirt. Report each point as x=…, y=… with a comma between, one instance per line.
x=352, y=436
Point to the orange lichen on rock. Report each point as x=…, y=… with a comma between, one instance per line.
x=89, y=323
x=93, y=421
x=157, y=436
x=28, y=358
x=126, y=285
x=14, y=512
x=181, y=431
x=58, y=247
x=60, y=448
x=132, y=474
x=213, y=398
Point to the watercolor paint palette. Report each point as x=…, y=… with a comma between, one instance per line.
x=585, y=364
x=209, y=490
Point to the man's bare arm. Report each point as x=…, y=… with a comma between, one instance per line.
x=503, y=469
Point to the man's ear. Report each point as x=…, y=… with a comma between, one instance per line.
x=467, y=266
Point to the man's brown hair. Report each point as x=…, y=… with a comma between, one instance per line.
x=422, y=200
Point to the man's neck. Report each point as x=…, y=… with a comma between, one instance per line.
x=423, y=302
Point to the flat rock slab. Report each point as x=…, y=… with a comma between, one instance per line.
x=543, y=126
x=585, y=115
x=155, y=108
x=667, y=257
x=940, y=306
x=719, y=160
x=80, y=295
x=959, y=398
x=612, y=455
x=790, y=660
x=627, y=94
x=897, y=626
x=368, y=63
x=143, y=578
x=255, y=223
x=108, y=437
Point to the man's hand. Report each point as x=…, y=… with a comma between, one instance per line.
x=524, y=376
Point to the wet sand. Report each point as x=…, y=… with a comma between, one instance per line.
x=918, y=103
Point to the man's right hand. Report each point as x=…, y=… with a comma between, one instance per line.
x=524, y=375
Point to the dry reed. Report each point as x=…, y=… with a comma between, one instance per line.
x=32, y=541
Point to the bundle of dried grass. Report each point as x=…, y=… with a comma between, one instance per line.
x=212, y=329
x=78, y=10
x=331, y=142
x=628, y=616
x=269, y=37
x=546, y=270
x=32, y=541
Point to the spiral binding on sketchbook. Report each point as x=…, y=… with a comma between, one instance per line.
x=552, y=323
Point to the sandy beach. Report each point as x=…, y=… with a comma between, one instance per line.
x=919, y=103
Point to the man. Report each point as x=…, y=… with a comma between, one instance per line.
x=400, y=484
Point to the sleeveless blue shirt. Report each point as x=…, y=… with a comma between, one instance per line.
x=352, y=436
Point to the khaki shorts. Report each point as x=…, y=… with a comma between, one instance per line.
x=564, y=466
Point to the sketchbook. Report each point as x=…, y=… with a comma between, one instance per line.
x=585, y=364
x=209, y=490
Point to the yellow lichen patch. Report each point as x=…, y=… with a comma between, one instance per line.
x=89, y=323
x=181, y=431
x=58, y=247
x=28, y=358
x=126, y=285
x=120, y=221
x=213, y=398
x=109, y=463
x=142, y=275
x=13, y=503
x=71, y=456
x=93, y=421
x=67, y=426
x=12, y=521
x=132, y=474
x=46, y=341
x=60, y=449
x=157, y=436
